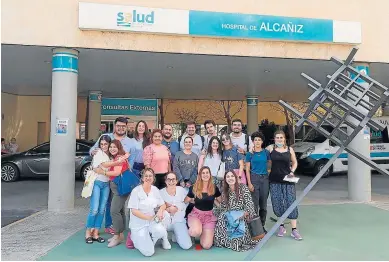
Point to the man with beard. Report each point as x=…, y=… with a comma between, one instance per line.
x=168, y=141
x=120, y=133
x=210, y=127
x=240, y=140
x=198, y=141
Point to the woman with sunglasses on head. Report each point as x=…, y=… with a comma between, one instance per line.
x=148, y=216
x=117, y=205
x=237, y=198
x=174, y=197
x=204, y=194
x=233, y=160
x=257, y=169
x=141, y=139
x=283, y=193
x=157, y=157
x=213, y=159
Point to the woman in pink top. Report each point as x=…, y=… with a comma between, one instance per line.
x=157, y=157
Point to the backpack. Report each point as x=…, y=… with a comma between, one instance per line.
x=202, y=141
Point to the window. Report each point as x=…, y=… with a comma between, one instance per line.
x=43, y=149
x=82, y=148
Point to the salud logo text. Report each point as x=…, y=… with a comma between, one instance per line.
x=134, y=18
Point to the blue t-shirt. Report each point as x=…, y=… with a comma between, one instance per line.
x=258, y=161
x=231, y=157
x=173, y=146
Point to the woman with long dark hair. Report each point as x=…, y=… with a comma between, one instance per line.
x=213, y=158
x=141, y=139
x=236, y=197
x=201, y=220
x=117, y=205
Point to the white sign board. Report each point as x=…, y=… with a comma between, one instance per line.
x=133, y=18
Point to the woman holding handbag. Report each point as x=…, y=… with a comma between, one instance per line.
x=213, y=159
x=157, y=157
x=234, y=161
x=236, y=201
x=116, y=152
x=100, y=191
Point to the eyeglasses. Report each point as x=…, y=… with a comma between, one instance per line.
x=171, y=179
x=225, y=139
x=120, y=126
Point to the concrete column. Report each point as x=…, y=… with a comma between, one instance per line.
x=252, y=114
x=94, y=114
x=63, y=129
x=359, y=174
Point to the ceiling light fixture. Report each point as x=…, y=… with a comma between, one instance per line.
x=170, y=67
x=266, y=71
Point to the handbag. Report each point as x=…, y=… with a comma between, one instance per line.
x=126, y=182
x=256, y=228
x=221, y=171
x=88, y=184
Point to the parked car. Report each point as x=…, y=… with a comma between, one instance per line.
x=35, y=162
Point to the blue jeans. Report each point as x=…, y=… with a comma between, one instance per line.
x=108, y=218
x=98, y=202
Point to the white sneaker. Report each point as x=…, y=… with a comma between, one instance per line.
x=166, y=244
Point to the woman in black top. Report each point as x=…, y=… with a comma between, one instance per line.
x=283, y=193
x=201, y=220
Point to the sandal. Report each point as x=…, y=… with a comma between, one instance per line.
x=89, y=240
x=99, y=239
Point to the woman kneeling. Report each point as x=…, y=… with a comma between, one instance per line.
x=174, y=197
x=201, y=220
x=147, y=226
x=238, y=206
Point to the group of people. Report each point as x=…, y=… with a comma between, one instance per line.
x=9, y=148
x=181, y=189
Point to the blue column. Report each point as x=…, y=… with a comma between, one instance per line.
x=63, y=129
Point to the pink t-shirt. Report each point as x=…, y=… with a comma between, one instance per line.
x=157, y=157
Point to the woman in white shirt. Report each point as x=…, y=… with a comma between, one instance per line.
x=100, y=193
x=148, y=226
x=213, y=159
x=174, y=197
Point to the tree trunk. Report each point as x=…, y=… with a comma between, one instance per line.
x=161, y=114
x=290, y=127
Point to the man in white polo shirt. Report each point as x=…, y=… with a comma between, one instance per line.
x=239, y=139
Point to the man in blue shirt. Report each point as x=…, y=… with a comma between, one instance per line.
x=168, y=141
x=120, y=129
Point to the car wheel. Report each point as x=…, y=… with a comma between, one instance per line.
x=9, y=172
x=319, y=165
x=85, y=170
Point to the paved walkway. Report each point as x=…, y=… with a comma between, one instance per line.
x=338, y=230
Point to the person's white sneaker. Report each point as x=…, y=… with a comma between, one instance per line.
x=166, y=244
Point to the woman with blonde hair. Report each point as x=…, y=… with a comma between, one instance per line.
x=148, y=216
x=201, y=220
x=283, y=193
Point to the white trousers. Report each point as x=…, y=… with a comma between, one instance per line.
x=181, y=233
x=145, y=237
